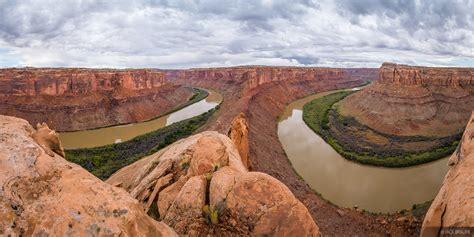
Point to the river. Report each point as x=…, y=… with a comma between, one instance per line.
x=115, y=134
x=346, y=183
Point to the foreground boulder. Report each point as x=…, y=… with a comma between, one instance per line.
x=200, y=186
x=44, y=195
x=454, y=204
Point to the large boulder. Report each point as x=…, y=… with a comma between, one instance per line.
x=454, y=204
x=42, y=194
x=200, y=186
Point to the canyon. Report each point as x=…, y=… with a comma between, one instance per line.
x=208, y=183
x=197, y=185
x=87, y=98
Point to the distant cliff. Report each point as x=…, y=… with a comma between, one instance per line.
x=76, y=98
x=408, y=100
x=426, y=76
x=253, y=76
x=75, y=81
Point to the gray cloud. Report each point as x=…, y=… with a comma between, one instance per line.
x=199, y=33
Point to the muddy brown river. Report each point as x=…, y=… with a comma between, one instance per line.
x=347, y=183
x=115, y=134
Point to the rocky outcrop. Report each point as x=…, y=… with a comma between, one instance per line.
x=454, y=204
x=48, y=139
x=71, y=99
x=239, y=134
x=409, y=100
x=200, y=185
x=44, y=195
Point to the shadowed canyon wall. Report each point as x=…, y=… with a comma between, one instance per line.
x=76, y=99
x=409, y=100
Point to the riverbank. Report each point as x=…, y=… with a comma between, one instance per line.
x=359, y=143
x=264, y=106
x=201, y=102
x=105, y=160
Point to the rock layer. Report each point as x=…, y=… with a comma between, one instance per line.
x=77, y=99
x=44, y=195
x=454, y=204
x=254, y=76
x=75, y=81
x=409, y=100
x=199, y=185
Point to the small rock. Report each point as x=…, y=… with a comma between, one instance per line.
x=340, y=212
x=402, y=219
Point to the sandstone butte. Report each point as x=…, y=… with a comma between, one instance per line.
x=409, y=100
x=454, y=204
x=76, y=99
x=44, y=195
x=199, y=186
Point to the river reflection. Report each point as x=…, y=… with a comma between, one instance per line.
x=347, y=183
x=109, y=135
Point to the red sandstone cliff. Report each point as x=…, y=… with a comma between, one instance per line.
x=409, y=100
x=76, y=99
x=253, y=76
x=75, y=81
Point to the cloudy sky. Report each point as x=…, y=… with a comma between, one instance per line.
x=208, y=33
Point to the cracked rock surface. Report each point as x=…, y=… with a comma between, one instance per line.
x=200, y=186
x=454, y=204
x=42, y=194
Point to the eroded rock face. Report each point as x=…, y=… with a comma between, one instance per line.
x=454, y=204
x=239, y=134
x=254, y=76
x=199, y=185
x=44, y=195
x=70, y=99
x=75, y=81
x=409, y=100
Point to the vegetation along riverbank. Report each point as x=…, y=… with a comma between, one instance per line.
x=360, y=143
x=105, y=160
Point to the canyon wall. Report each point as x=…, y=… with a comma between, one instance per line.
x=403, y=75
x=454, y=204
x=75, y=99
x=408, y=100
x=75, y=81
x=254, y=76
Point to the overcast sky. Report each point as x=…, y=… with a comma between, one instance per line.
x=209, y=33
